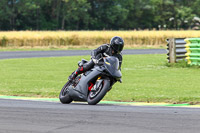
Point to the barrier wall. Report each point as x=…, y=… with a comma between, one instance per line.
x=193, y=51
x=175, y=49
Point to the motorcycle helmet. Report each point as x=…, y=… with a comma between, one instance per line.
x=117, y=44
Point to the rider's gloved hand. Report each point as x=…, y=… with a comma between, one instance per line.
x=95, y=61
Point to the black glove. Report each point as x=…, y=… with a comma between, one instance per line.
x=95, y=61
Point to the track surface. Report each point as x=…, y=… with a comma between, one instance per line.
x=18, y=116
x=31, y=54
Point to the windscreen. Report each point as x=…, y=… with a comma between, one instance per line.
x=113, y=61
x=112, y=66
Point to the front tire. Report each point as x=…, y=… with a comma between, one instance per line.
x=93, y=98
x=64, y=94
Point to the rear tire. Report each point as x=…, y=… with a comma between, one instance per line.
x=64, y=94
x=93, y=100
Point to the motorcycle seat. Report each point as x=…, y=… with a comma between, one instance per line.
x=83, y=61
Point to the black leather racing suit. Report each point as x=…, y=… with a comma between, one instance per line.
x=105, y=50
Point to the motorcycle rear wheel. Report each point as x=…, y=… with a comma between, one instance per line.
x=93, y=98
x=64, y=96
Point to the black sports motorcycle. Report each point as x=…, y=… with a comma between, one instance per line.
x=92, y=85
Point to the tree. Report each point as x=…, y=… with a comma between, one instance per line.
x=5, y=15
x=76, y=14
x=107, y=14
x=97, y=14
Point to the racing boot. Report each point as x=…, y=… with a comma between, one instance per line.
x=75, y=74
x=72, y=76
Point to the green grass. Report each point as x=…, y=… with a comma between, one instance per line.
x=146, y=78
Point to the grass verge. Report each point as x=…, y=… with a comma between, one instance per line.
x=146, y=78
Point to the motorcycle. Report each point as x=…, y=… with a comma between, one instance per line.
x=92, y=85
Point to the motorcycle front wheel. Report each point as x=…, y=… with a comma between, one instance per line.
x=95, y=96
x=64, y=94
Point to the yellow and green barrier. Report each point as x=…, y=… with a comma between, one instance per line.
x=193, y=51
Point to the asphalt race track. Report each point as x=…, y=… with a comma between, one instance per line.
x=31, y=54
x=20, y=116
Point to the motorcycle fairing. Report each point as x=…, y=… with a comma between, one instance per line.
x=80, y=92
x=112, y=66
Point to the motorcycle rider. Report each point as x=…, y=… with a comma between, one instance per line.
x=113, y=49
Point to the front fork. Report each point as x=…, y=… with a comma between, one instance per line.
x=93, y=85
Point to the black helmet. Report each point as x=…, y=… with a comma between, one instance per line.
x=117, y=44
